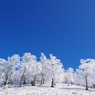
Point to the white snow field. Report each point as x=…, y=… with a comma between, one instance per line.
x=59, y=89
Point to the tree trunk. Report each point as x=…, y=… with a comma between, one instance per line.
x=33, y=82
x=9, y=80
x=6, y=78
x=86, y=83
x=42, y=80
x=24, y=82
x=22, y=77
x=52, y=83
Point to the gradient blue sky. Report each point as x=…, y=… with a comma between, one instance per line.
x=65, y=28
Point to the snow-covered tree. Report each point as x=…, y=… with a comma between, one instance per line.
x=85, y=71
x=55, y=67
x=44, y=61
x=2, y=71
x=12, y=64
x=30, y=67
x=69, y=76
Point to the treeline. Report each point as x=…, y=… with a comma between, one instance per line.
x=27, y=69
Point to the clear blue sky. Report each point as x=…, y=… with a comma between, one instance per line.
x=65, y=28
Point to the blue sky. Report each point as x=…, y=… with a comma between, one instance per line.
x=65, y=28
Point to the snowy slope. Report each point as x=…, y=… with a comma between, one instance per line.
x=60, y=89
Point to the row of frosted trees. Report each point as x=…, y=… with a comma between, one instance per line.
x=28, y=69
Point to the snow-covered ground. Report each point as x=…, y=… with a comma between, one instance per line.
x=59, y=89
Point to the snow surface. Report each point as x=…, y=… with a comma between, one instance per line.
x=59, y=89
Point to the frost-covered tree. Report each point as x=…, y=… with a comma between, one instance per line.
x=9, y=67
x=30, y=67
x=55, y=67
x=2, y=71
x=44, y=70
x=12, y=64
x=69, y=76
x=85, y=71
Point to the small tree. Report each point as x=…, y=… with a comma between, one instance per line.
x=55, y=67
x=85, y=71
x=13, y=63
x=43, y=61
x=68, y=76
